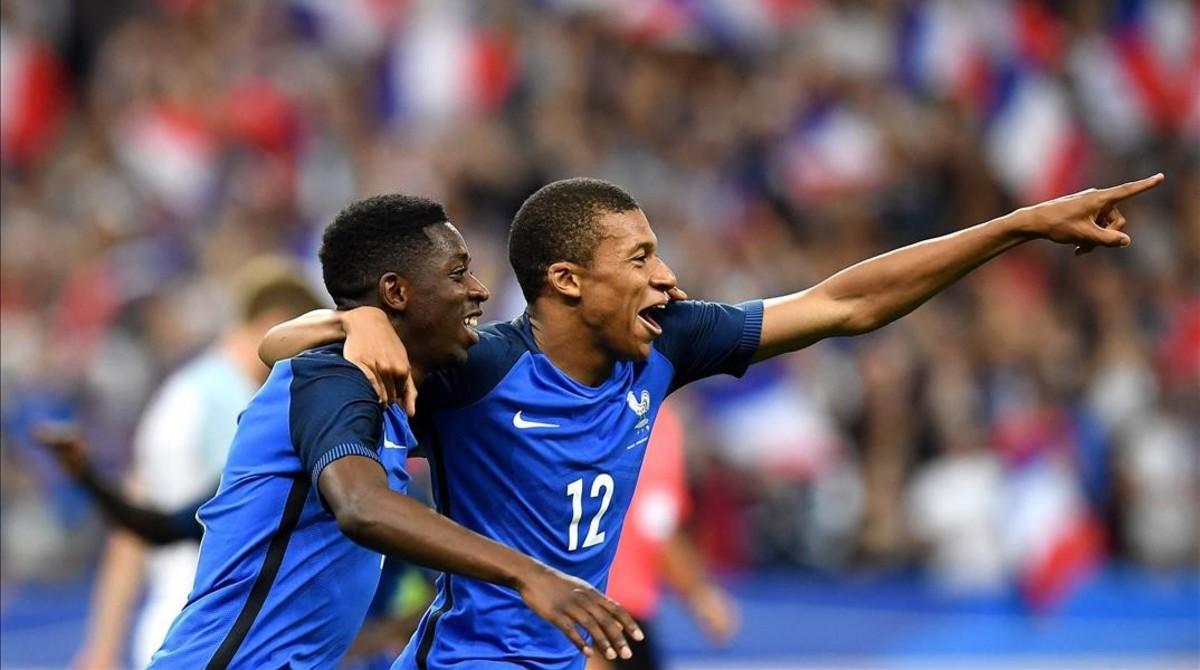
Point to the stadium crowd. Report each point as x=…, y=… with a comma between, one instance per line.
x=1039, y=417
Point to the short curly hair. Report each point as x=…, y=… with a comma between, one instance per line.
x=559, y=223
x=383, y=233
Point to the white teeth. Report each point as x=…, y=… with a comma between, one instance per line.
x=471, y=321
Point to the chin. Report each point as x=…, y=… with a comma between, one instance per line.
x=640, y=353
x=459, y=356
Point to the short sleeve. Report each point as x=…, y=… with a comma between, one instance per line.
x=334, y=412
x=500, y=347
x=702, y=339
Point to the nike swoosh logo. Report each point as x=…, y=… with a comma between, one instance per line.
x=388, y=444
x=523, y=423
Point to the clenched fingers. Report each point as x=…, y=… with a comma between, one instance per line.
x=1111, y=219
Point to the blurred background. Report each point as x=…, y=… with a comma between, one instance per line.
x=1008, y=477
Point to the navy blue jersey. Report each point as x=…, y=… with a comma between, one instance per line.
x=526, y=455
x=278, y=585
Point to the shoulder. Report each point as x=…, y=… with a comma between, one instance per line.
x=322, y=364
x=500, y=346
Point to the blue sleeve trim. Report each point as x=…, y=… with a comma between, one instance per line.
x=751, y=330
x=341, y=451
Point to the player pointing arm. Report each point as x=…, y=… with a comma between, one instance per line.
x=601, y=344
x=879, y=290
x=857, y=300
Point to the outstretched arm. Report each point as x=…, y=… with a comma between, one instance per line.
x=374, y=516
x=150, y=525
x=877, y=291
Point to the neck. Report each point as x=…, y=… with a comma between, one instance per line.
x=569, y=343
x=417, y=363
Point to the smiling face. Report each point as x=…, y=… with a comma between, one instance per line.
x=624, y=285
x=445, y=302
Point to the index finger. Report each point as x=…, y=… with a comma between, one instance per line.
x=1132, y=188
x=410, y=397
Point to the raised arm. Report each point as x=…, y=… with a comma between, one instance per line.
x=374, y=516
x=877, y=291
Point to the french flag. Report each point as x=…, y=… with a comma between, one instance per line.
x=1157, y=44
x=33, y=96
x=700, y=23
x=171, y=151
x=942, y=53
x=440, y=68
x=1032, y=141
x=1053, y=538
x=353, y=28
x=833, y=150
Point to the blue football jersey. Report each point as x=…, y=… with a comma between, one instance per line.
x=278, y=585
x=526, y=455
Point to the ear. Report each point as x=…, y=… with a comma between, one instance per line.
x=394, y=291
x=563, y=278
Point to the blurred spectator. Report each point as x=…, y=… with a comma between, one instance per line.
x=178, y=455
x=656, y=550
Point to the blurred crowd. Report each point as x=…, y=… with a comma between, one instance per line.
x=1037, y=419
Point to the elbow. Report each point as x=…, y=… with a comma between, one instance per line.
x=855, y=317
x=356, y=521
x=862, y=321
x=267, y=352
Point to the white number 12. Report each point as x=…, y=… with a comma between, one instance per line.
x=603, y=481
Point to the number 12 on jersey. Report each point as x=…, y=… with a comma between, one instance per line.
x=602, y=485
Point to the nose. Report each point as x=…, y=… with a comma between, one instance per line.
x=664, y=278
x=477, y=291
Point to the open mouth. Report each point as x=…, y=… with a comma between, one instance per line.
x=648, y=318
x=470, y=322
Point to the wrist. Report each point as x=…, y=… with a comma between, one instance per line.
x=349, y=319
x=1023, y=224
x=523, y=572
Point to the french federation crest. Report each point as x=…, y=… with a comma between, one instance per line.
x=641, y=408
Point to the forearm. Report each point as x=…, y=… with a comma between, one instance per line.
x=682, y=566
x=879, y=290
x=284, y=340
x=398, y=526
x=118, y=585
x=149, y=525
x=885, y=288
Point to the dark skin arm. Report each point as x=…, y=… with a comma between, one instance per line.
x=151, y=525
x=371, y=514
